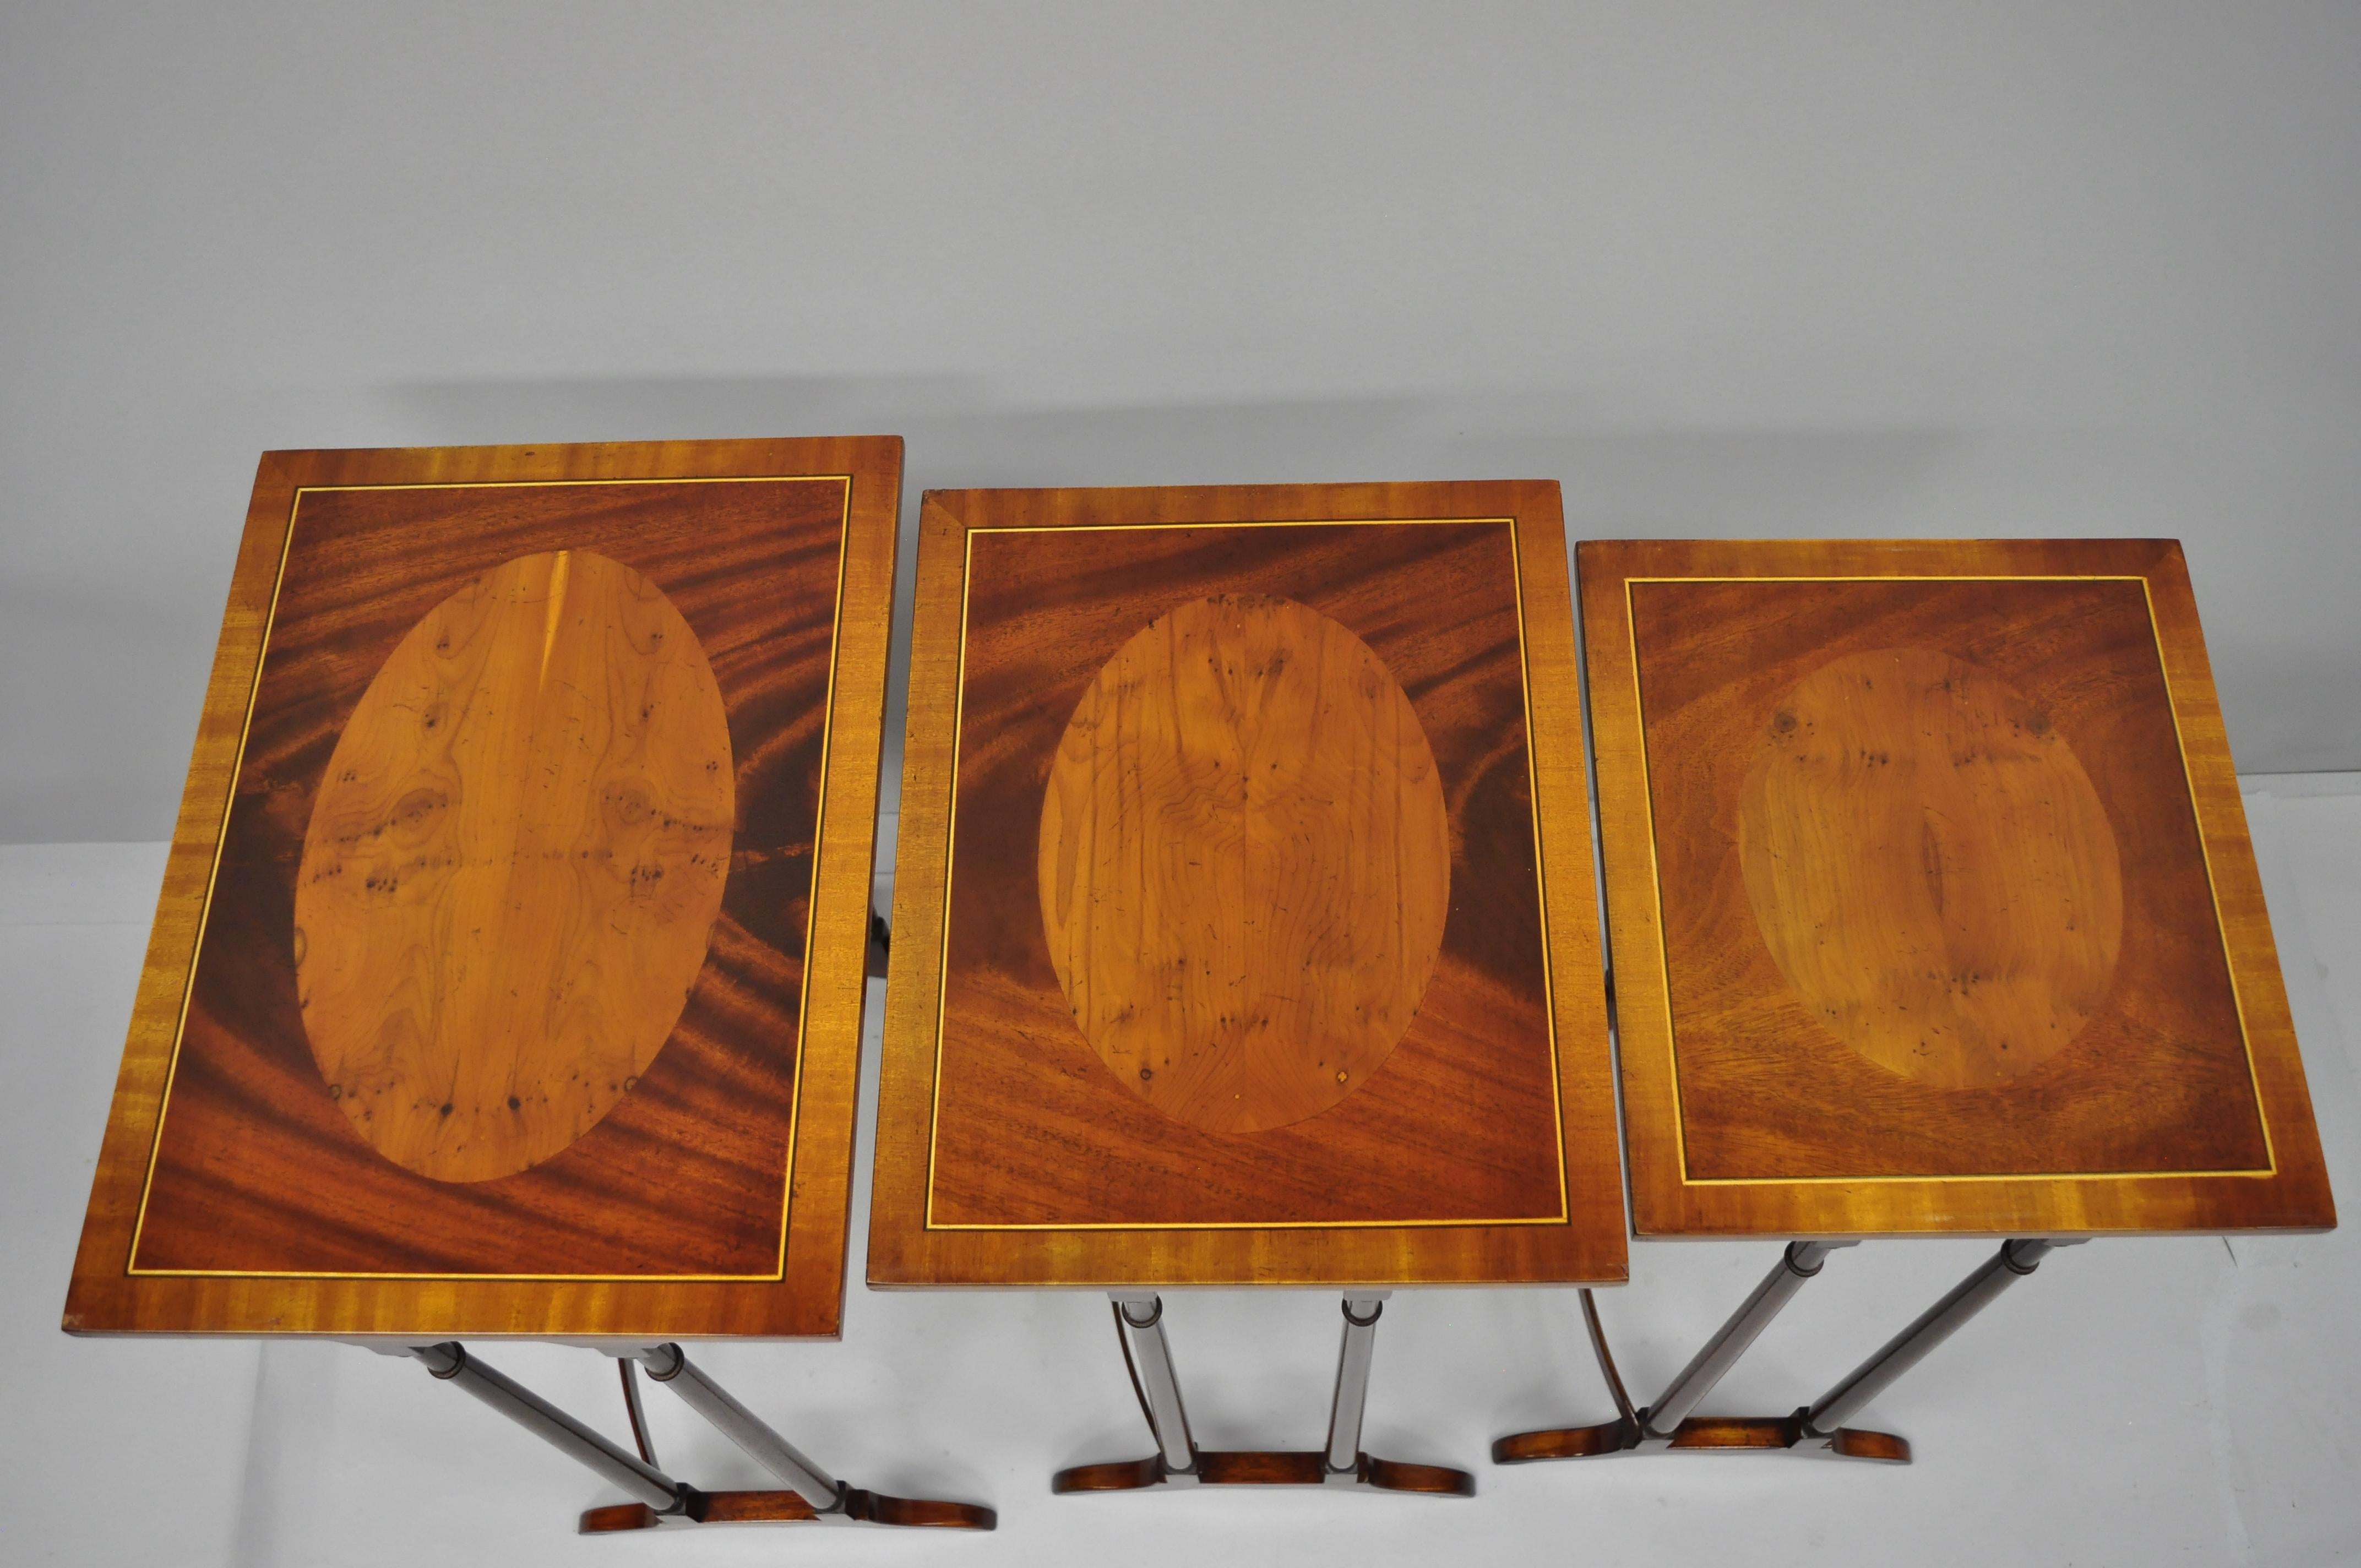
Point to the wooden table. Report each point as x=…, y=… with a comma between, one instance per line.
x=1933, y=912
x=1244, y=931
x=508, y=974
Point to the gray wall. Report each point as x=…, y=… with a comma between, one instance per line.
x=1812, y=270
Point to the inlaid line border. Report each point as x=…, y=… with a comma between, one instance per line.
x=2197, y=820
x=238, y=764
x=1541, y=872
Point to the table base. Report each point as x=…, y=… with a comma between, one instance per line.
x=1704, y=1434
x=1178, y=1462
x=814, y=1496
x=1266, y=1467
x=1816, y=1430
x=786, y=1507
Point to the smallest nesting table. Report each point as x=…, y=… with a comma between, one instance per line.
x=1933, y=912
x=1243, y=923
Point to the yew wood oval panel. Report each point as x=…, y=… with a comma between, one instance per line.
x=513, y=866
x=1931, y=868
x=1245, y=862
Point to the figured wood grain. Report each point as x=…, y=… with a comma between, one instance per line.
x=1031, y=1126
x=2155, y=1078
x=256, y=1168
x=1028, y=1130
x=1930, y=867
x=513, y=866
x=1245, y=862
x=2180, y=1103
x=1026, y=1160
x=267, y=1213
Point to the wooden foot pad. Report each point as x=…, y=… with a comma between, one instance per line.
x=1719, y=1434
x=787, y=1507
x=1253, y=1467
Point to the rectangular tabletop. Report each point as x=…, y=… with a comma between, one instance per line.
x=1931, y=898
x=1244, y=921
x=508, y=973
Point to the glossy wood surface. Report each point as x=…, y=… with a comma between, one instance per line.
x=1704, y=1435
x=1108, y=667
x=1267, y=1468
x=1932, y=902
x=513, y=867
x=860, y=1506
x=1244, y=863
x=1931, y=868
x=268, y=1211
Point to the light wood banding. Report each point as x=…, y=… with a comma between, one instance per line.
x=513, y=867
x=1244, y=863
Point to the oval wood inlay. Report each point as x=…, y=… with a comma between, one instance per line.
x=1244, y=863
x=513, y=866
x=1931, y=867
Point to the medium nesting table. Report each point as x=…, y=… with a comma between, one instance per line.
x=508, y=974
x=1244, y=926
x=1933, y=912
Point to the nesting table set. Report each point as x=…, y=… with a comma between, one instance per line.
x=507, y=977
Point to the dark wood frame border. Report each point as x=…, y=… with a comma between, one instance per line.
x=808, y=1300
x=2293, y=1196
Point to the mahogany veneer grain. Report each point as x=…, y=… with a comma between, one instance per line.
x=626, y=830
x=1932, y=902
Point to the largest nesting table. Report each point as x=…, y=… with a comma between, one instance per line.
x=508, y=975
x=1244, y=931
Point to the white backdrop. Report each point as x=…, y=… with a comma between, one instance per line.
x=1797, y=269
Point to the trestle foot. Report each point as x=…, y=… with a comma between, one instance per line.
x=1267, y=1468
x=1178, y=1462
x=786, y=1508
